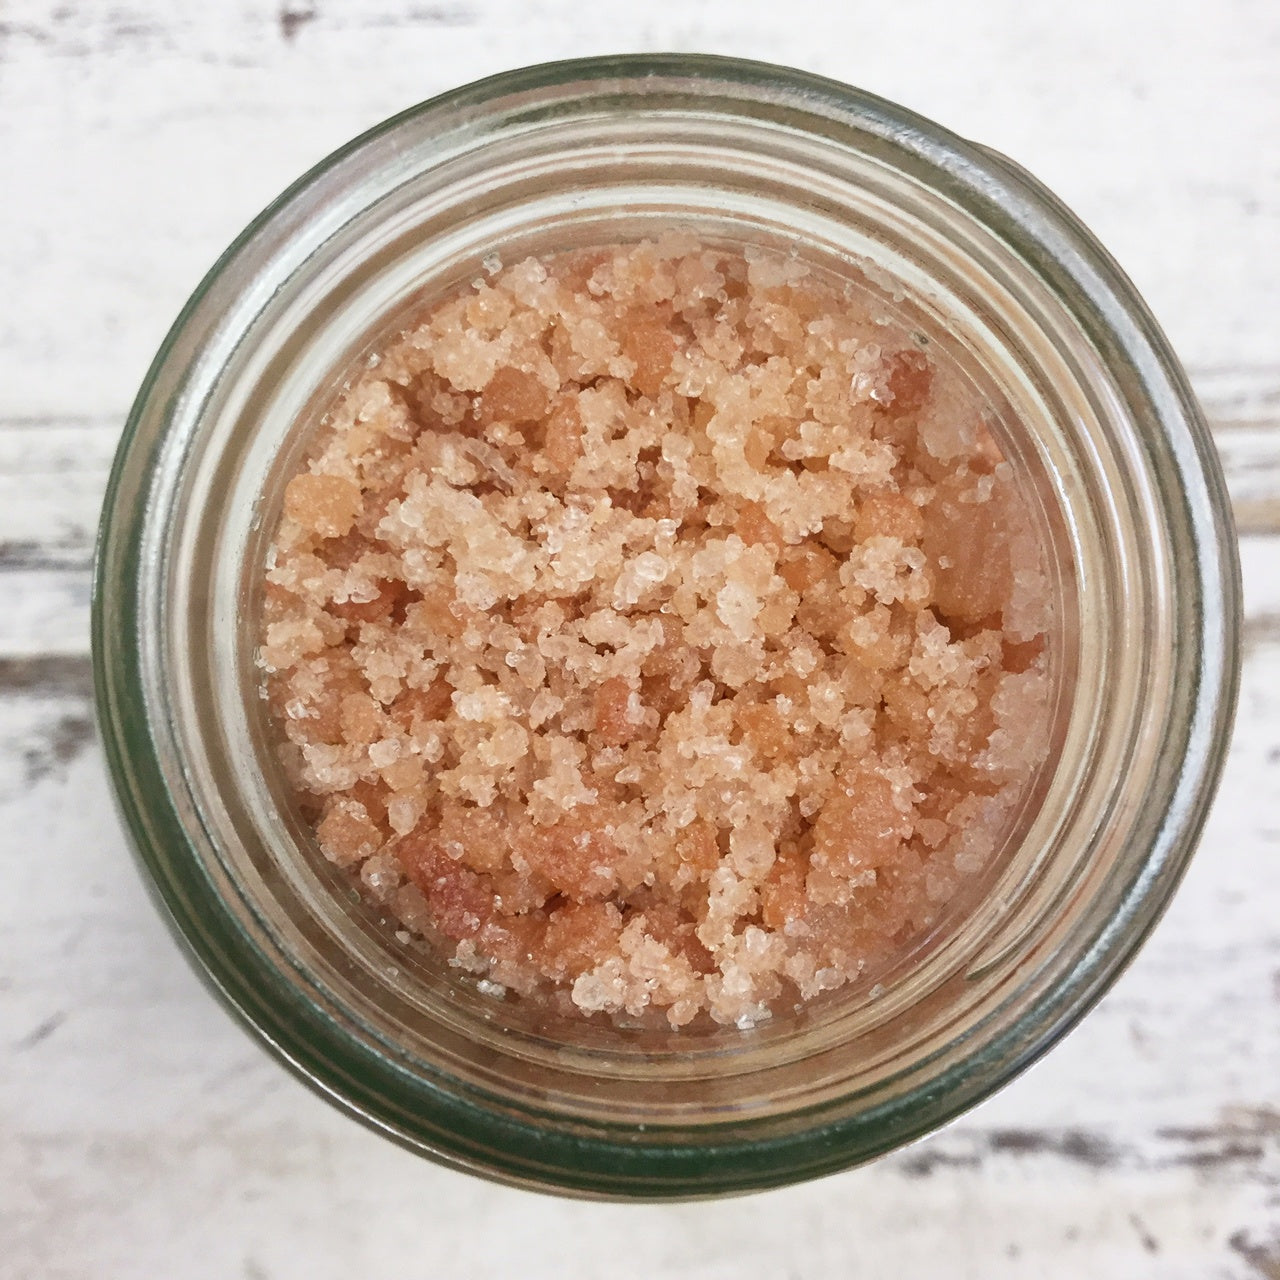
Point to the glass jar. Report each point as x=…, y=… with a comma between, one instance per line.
x=600, y=151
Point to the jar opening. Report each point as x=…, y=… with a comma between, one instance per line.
x=1089, y=407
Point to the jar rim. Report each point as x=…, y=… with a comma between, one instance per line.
x=456, y=1128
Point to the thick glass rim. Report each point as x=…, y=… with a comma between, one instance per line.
x=455, y=1128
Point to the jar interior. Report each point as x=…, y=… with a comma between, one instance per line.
x=934, y=269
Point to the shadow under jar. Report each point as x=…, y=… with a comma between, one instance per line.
x=1092, y=410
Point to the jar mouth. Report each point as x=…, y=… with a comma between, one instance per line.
x=621, y=144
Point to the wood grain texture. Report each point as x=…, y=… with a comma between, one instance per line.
x=140, y=1133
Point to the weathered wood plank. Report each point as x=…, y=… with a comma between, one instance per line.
x=52, y=477
x=53, y=470
x=48, y=676
x=150, y=133
x=1251, y=461
x=45, y=613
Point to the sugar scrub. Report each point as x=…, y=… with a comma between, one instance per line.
x=659, y=631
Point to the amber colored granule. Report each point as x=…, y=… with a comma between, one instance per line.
x=662, y=623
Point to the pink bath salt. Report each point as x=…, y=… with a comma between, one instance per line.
x=660, y=626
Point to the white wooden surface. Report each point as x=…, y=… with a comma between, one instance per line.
x=141, y=1134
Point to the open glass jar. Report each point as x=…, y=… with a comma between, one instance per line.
x=600, y=152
